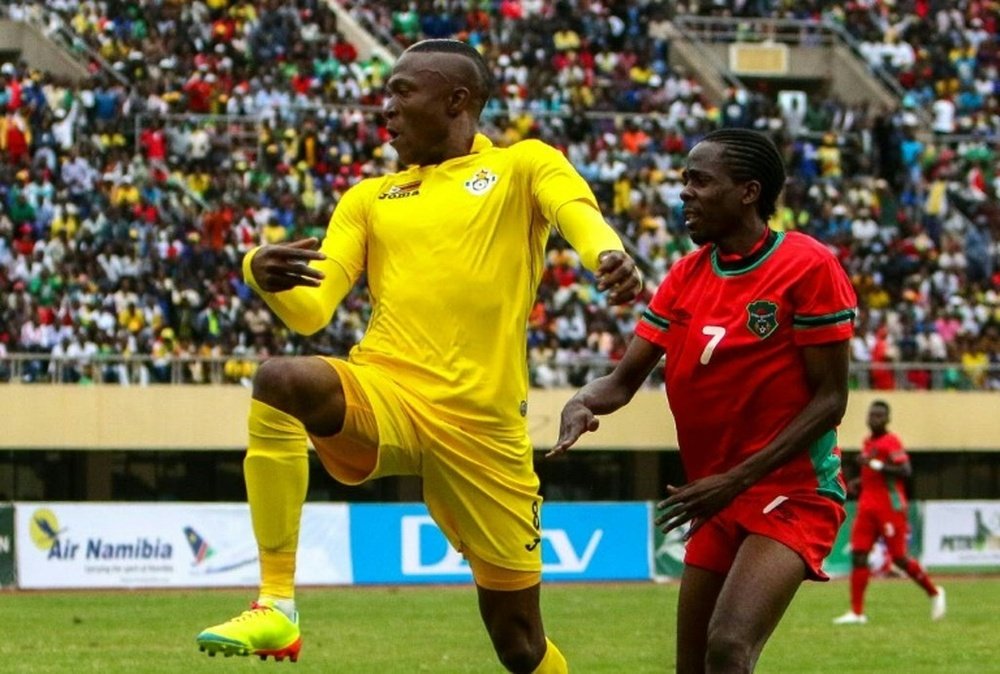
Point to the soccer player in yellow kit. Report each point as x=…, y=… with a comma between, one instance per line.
x=453, y=248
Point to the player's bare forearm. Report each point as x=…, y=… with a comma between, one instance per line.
x=615, y=390
x=579, y=415
x=826, y=370
x=606, y=394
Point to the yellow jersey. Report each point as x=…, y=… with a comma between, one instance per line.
x=454, y=253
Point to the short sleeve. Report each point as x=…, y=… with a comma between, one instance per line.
x=894, y=449
x=825, y=303
x=654, y=324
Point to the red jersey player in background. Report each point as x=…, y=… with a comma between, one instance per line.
x=882, y=511
x=755, y=327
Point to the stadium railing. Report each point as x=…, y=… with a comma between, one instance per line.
x=142, y=370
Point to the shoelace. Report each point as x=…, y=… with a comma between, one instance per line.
x=247, y=615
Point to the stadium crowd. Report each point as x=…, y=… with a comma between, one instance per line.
x=128, y=198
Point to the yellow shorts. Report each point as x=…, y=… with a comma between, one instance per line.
x=481, y=490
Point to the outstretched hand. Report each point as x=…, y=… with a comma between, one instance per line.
x=695, y=502
x=618, y=275
x=278, y=267
x=576, y=420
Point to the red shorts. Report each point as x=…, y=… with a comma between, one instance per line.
x=870, y=523
x=805, y=522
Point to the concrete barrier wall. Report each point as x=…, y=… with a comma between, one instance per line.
x=42, y=416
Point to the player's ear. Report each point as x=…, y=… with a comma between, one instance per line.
x=459, y=100
x=751, y=191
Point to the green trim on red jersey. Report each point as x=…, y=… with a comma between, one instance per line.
x=743, y=265
x=654, y=319
x=826, y=464
x=803, y=322
x=891, y=485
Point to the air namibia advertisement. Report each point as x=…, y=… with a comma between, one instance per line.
x=63, y=545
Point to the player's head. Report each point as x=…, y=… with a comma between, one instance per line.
x=730, y=173
x=434, y=96
x=878, y=416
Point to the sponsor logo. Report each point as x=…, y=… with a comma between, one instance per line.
x=417, y=531
x=410, y=189
x=762, y=318
x=203, y=552
x=481, y=182
x=199, y=546
x=983, y=538
x=48, y=536
x=45, y=529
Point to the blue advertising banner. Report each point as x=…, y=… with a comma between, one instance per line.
x=580, y=541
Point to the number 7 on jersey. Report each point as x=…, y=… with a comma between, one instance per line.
x=716, y=332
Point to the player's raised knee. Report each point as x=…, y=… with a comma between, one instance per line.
x=275, y=379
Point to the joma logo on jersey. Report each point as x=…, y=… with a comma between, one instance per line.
x=410, y=189
x=762, y=318
x=481, y=183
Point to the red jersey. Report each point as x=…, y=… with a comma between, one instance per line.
x=732, y=332
x=879, y=490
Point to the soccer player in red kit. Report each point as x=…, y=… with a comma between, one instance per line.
x=882, y=512
x=755, y=327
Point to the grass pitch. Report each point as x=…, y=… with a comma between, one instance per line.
x=619, y=629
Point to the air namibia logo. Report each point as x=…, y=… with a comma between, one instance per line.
x=199, y=546
x=762, y=318
x=410, y=189
x=481, y=183
x=45, y=529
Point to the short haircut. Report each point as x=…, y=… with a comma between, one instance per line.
x=482, y=87
x=751, y=155
x=881, y=403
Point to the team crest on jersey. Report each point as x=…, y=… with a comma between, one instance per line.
x=480, y=183
x=762, y=318
x=410, y=189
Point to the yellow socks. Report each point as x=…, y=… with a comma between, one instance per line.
x=553, y=662
x=276, y=469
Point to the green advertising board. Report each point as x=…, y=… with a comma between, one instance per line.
x=668, y=551
x=6, y=545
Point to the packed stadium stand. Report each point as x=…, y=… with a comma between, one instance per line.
x=190, y=132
